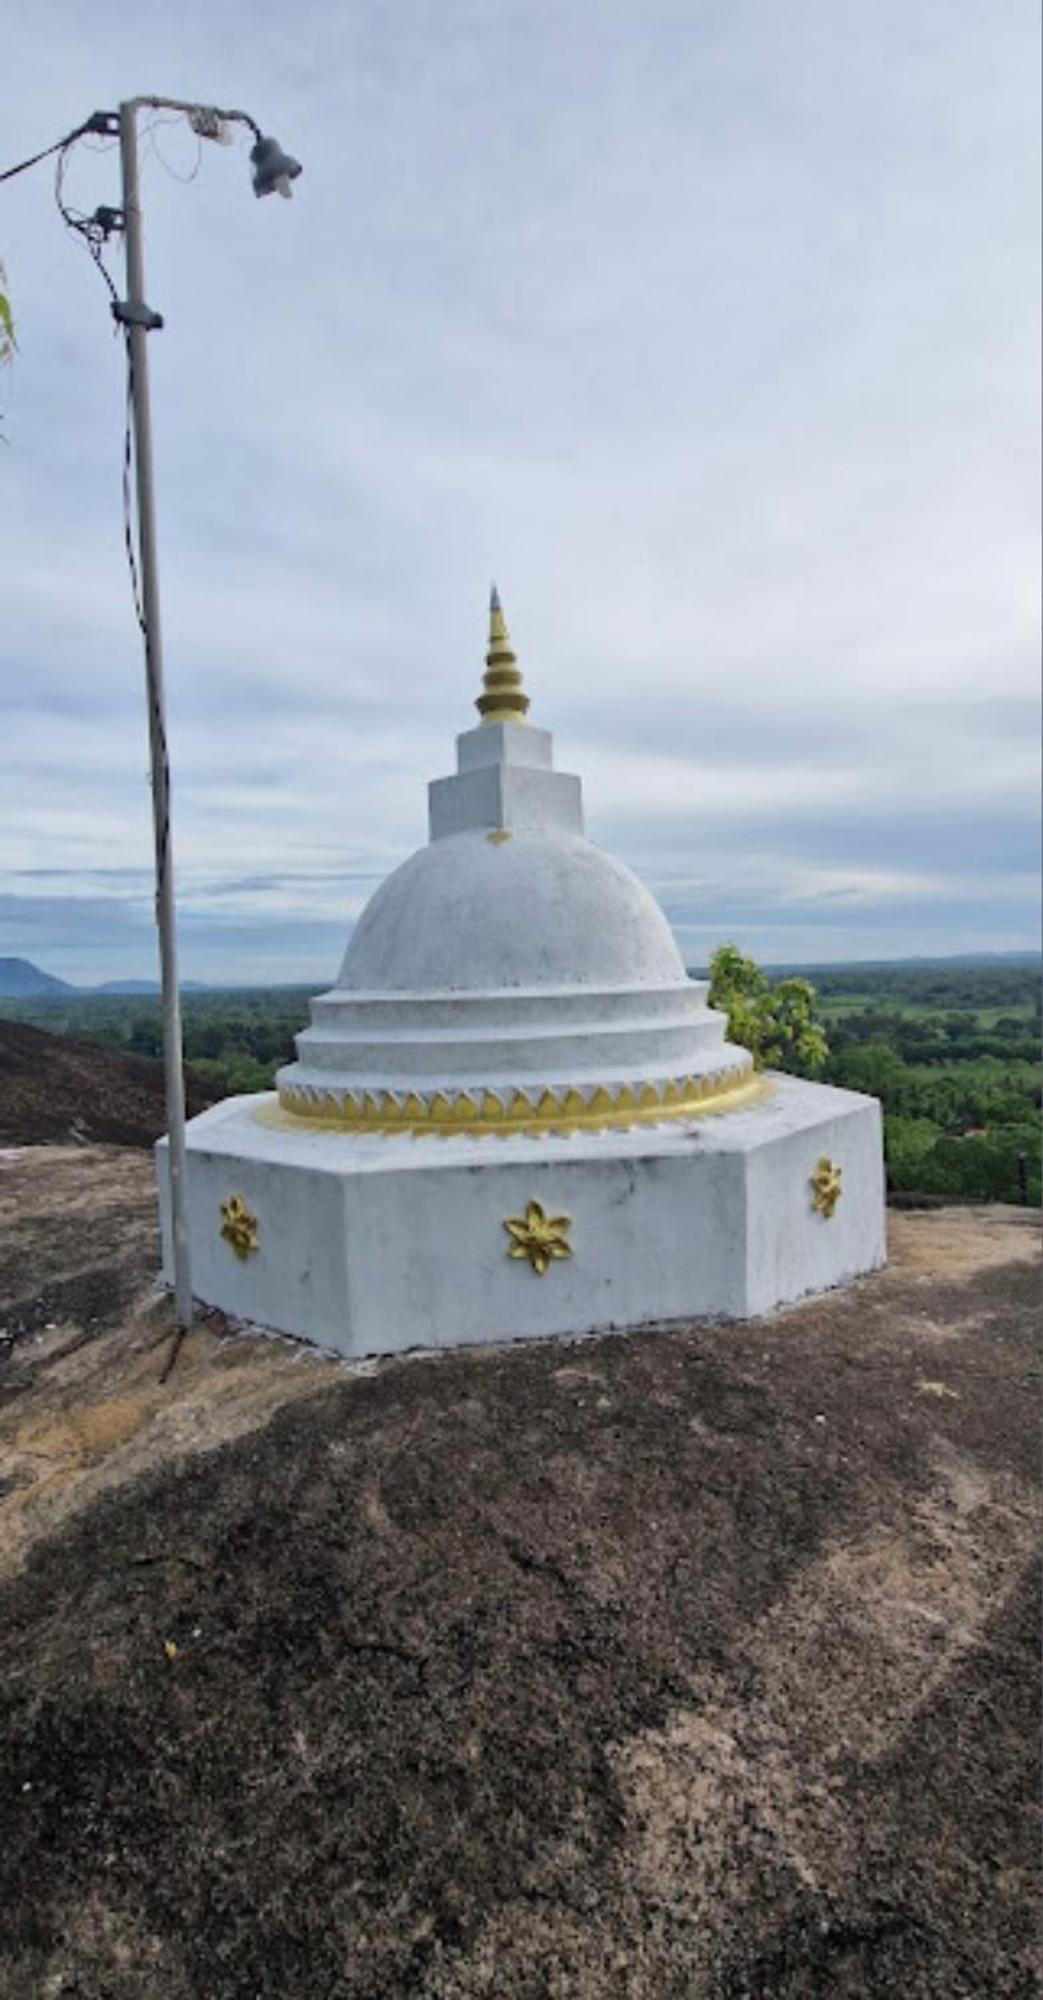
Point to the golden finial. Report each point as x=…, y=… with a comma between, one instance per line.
x=503, y=699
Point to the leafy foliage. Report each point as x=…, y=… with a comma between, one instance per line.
x=234, y=1039
x=951, y=1051
x=8, y=343
x=775, y=1022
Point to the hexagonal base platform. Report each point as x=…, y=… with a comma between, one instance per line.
x=371, y=1245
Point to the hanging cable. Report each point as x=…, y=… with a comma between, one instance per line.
x=94, y=232
x=150, y=143
x=99, y=121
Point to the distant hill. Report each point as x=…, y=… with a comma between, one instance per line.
x=19, y=978
x=148, y=986
x=54, y=1088
x=954, y=961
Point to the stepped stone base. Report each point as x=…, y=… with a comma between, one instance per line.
x=372, y=1244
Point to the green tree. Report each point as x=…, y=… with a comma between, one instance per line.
x=869, y=1066
x=8, y=343
x=776, y=1023
x=908, y=1144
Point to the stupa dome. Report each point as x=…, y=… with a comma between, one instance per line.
x=540, y=908
x=511, y=975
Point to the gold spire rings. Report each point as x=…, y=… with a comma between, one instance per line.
x=503, y=698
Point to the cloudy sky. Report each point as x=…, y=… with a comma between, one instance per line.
x=707, y=327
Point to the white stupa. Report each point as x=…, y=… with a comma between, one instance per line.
x=514, y=1113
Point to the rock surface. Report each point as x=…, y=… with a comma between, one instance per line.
x=695, y=1663
x=54, y=1088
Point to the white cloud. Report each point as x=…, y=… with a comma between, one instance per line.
x=710, y=331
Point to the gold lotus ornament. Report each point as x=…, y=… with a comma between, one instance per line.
x=538, y=1236
x=826, y=1187
x=238, y=1226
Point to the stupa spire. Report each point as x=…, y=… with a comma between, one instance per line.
x=502, y=699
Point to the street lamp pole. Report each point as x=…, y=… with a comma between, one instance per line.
x=137, y=320
x=273, y=170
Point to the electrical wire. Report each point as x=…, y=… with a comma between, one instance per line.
x=94, y=235
x=128, y=463
x=89, y=125
x=94, y=232
x=151, y=144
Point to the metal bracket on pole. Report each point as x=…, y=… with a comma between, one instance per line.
x=109, y=220
x=134, y=312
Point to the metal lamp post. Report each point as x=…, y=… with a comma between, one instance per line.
x=273, y=171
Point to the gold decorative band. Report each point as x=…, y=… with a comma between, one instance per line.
x=478, y=1112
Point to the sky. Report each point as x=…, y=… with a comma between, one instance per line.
x=709, y=328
